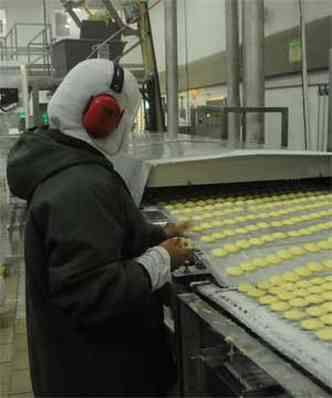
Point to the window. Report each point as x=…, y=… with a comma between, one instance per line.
x=2, y=22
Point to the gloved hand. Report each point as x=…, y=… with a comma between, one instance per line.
x=175, y=230
x=178, y=252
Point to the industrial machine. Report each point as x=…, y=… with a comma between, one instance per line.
x=254, y=311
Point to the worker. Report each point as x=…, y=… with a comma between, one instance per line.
x=94, y=266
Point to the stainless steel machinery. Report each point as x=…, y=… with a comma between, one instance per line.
x=254, y=309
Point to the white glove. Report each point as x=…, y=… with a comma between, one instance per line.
x=157, y=263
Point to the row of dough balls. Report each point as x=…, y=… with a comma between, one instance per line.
x=251, y=217
x=180, y=209
x=281, y=256
x=311, y=305
x=210, y=238
x=232, y=248
x=246, y=200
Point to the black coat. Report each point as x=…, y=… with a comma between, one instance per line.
x=94, y=326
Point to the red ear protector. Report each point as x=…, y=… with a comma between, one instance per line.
x=103, y=113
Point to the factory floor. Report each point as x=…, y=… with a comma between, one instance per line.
x=14, y=366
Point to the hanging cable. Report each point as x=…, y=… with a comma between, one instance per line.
x=125, y=27
x=188, y=113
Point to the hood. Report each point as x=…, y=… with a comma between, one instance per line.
x=90, y=78
x=39, y=154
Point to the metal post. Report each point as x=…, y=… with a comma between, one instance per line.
x=253, y=69
x=233, y=70
x=25, y=93
x=307, y=134
x=329, y=130
x=171, y=46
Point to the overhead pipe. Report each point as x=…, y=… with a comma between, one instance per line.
x=171, y=46
x=307, y=133
x=253, y=69
x=233, y=70
x=329, y=130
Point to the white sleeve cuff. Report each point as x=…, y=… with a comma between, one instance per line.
x=157, y=263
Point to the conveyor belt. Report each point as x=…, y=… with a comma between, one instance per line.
x=295, y=219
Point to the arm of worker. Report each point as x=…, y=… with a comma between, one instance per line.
x=89, y=276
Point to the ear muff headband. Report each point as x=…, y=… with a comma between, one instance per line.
x=103, y=113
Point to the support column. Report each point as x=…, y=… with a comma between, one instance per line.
x=171, y=46
x=253, y=69
x=233, y=70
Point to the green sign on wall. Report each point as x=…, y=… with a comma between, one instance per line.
x=295, y=54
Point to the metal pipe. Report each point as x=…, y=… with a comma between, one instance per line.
x=171, y=46
x=307, y=133
x=253, y=69
x=329, y=130
x=233, y=70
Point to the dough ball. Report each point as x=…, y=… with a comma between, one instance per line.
x=312, y=324
x=280, y=306
x=268, y=299
x=234, y=271
x=326, y=319
x=294, y=315
x=325, y=334
x=298, y=302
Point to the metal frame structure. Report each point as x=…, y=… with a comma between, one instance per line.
x=198, y=324
x=245, y=110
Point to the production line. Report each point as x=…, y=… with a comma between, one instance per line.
x=262, y=264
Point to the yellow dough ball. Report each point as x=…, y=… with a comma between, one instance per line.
x=311, y=247
x=240, y=231
x=327, y=307
x=284, y=254
x=327, y=287
x=272, y=259
x=289, y=286
x=276, y=290
x=245, y=287
x=286, y=296
x=276, y=224
x=315, y=299
x=296, y=251
x=243, y=244
x=265, y=285
x=301, y=293
x=280, y=306
x=208, y=239
x=326, y=296
x=315, y=310
x=303, y=284
x=276, y=280
x=259, y=262
x=263, y=225
x=327, y=264
x=234, y=271
x=268, y=299
x=324, y=245
x=298, y=302
x=279, y=235
x=327, y=319
x=317, y=281
x=325, y=334
x=290, y=277
x=229, y=248
x=267, y=238
x=312, y=324
x=219, y=253
x=255, y=293
x=303, y=271
x=294, y=315
x=256, y=241
x=315, y=289
x=314, y=266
